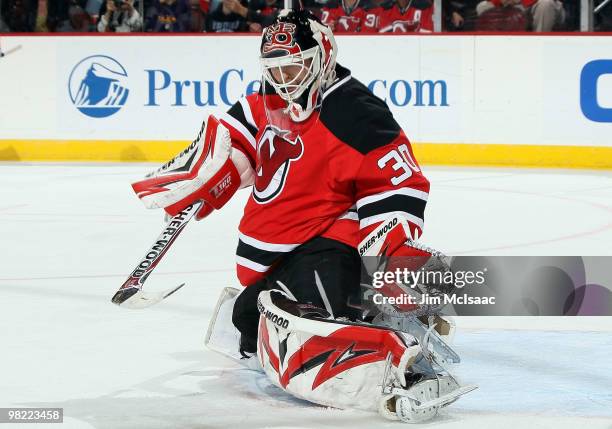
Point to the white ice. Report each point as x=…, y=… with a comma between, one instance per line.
x=72, y=233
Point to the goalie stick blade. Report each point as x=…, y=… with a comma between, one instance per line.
x=134, y=298
x=123, y=295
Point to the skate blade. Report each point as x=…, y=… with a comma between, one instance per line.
x=446, y=399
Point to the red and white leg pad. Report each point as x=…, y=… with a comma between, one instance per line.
x=328, y=362
x=344, y=365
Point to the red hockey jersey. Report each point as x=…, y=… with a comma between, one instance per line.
x=358, y=18
x=351, y=169
x=408, y=20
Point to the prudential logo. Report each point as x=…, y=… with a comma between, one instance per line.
x=590, y=92
x=98, y=86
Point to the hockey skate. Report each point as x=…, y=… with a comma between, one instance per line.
x=428, y=387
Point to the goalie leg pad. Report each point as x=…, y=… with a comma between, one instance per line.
x=222, y=336
x=325, y=361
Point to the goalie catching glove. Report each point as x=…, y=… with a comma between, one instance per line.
x=210, y=170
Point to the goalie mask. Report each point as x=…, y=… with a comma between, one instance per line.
x=298, y=58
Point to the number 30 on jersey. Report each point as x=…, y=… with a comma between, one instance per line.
x=402, y=162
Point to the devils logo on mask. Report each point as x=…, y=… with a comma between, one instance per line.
x=280, y=40
x=275, y=153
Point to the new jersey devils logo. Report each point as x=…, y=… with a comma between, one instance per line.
x=280, y=37
x=275, y=153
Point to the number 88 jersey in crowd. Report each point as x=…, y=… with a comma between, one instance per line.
x=349, y=168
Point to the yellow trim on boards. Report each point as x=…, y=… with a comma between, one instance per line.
x=89, y=150
x=464, y=154
x=512, y=155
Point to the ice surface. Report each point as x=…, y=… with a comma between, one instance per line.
x=71, y=235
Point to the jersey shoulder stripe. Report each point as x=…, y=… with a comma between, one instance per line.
x=356, y=116
x=245, y=118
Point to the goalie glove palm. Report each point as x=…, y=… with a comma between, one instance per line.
x=208, y=170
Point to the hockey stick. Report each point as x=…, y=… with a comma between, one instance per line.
x=130, y=294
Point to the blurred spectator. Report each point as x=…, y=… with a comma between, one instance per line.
x=197, y=14
x=63, y=16
x=262, y=13
x=19, y=15
x=351, y=16
x=78, y=20
x=385, y=4
x=3, y=27
x=544, y=15
x=119, y=16
x=42, y=14
x=169, y=16
x=258, y=13
x=459, y=15
x=506, y=19
x=408, y=16
x=225, y=16
x=572, y=15
x=93, y=7
x=67, y=16
x=315, y=6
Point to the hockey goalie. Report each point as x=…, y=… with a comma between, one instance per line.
x=328, y=168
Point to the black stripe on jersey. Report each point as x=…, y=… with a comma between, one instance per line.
x=394, y=203
x=262, y=257
x=356, y=116
x=237, y=113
